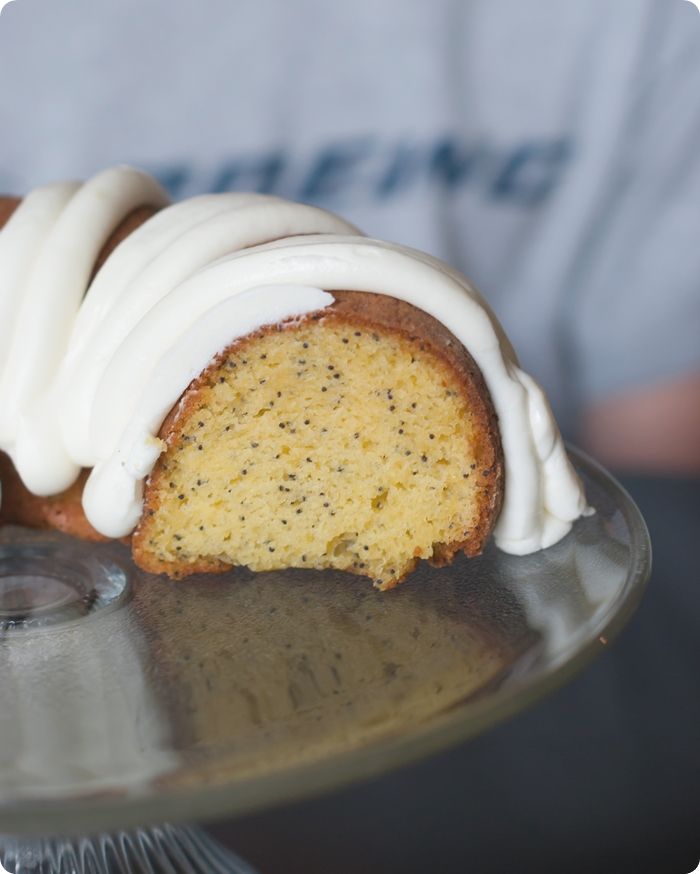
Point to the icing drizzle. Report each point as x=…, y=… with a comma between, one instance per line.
x=86, y=380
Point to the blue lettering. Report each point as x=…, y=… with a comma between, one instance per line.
x=403, y=169
x=523, y=175
x=334, y=170
x=452, y=162
x=531, y=172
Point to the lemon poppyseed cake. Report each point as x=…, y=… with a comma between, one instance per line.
x=239, y=380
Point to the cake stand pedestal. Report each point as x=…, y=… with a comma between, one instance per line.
x=159, y=850
x=127, y=700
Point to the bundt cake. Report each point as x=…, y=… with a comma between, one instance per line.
x=240, y=380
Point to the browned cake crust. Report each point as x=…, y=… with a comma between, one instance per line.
x=64, y=511
x=7, y=206
x=367, y=312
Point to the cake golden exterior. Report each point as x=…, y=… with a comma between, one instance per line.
x=245, y=381
x=363, y=439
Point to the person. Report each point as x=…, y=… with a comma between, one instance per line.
x=547, y=150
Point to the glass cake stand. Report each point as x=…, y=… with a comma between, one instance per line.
x=128, y=701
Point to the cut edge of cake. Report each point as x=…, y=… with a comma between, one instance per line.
x=385, y=320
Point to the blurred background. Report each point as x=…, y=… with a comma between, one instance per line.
x=549, y=150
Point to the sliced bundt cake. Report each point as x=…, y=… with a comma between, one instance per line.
x=238, y=380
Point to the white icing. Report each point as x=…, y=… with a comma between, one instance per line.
x=152, y=262
x=49, y=285
x=20, y=240
x=189, y=281
x=44, y=427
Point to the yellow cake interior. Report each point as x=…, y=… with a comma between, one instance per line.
x=320, y=444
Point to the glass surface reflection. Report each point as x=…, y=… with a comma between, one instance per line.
x=222, y=693
x=77, y=712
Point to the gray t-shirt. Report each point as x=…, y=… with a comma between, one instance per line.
x=550, y=150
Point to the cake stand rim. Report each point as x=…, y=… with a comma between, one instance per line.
x=208, y=803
